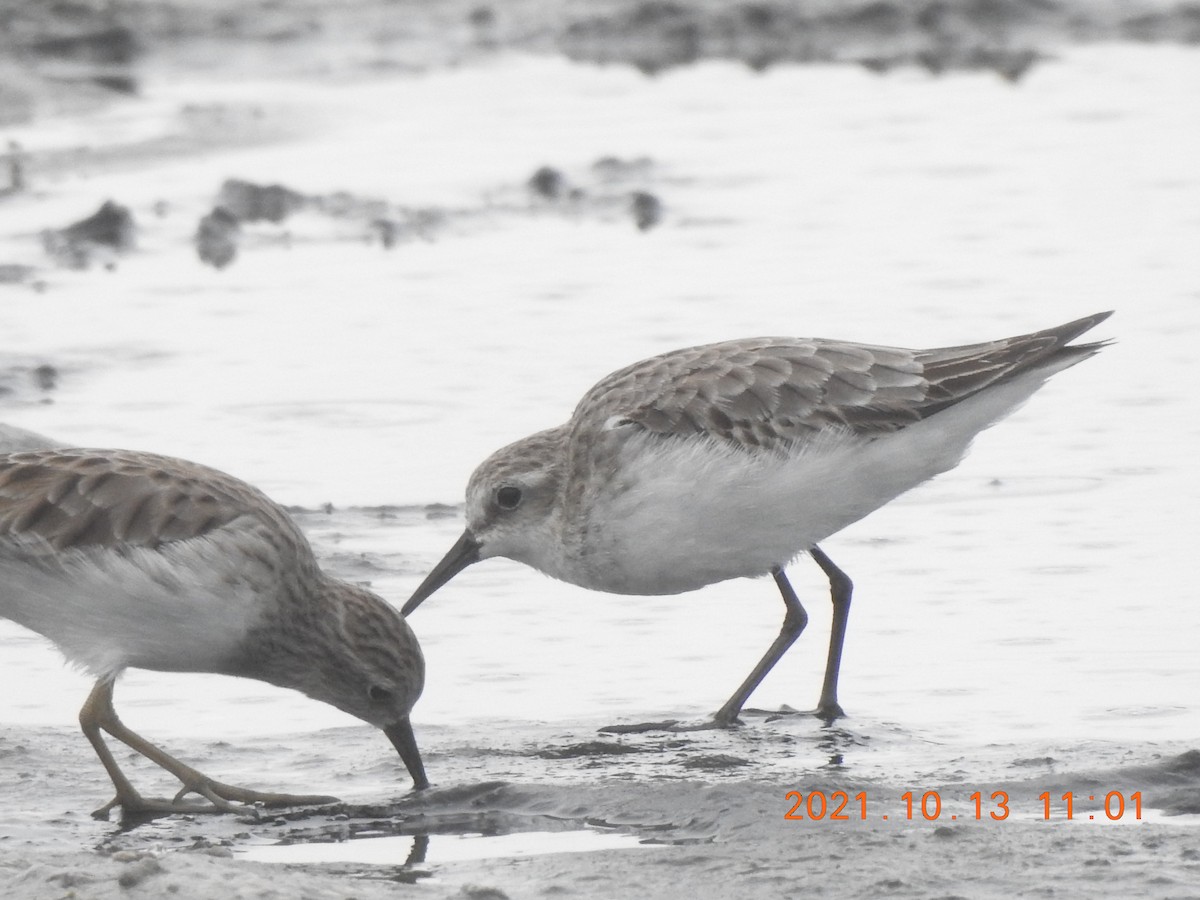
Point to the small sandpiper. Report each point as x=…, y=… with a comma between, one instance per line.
x=129, y=559
x=729, y=460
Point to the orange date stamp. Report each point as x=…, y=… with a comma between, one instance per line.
x=927, y=806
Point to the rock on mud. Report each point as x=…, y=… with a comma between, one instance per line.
x=217, y=238
x=101, y=236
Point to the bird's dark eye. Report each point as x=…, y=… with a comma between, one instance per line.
x=379, y=694
x=508, y=497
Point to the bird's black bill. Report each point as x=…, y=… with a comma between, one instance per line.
x=464, y=552
x=402, y=738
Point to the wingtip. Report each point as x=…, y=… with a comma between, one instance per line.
x=1063, y=349
x=1064, y=334
x=1090, y=321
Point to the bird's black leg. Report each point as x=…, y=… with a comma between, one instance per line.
x=794, y=620
x=840, y=589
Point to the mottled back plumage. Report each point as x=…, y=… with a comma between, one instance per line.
x=80, y=498
x=770, y=393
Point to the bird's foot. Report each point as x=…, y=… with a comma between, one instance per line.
x=673, y=725
x=716, y=723
x=137, y=806
x=830, y=712
x=640, y=728
x=222, y=798
x=827, y=713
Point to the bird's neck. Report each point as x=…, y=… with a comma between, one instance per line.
x=284, y=647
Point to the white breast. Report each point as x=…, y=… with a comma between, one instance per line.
x=681, y=513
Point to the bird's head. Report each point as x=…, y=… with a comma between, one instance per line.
x=511, y=511
x=362, y=658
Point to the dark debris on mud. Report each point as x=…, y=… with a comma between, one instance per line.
x=248, y=214
x=27, y=381
x=63, y=57
x=105, y=234
x=652, y=34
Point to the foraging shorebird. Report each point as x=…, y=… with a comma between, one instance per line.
x=134, y=560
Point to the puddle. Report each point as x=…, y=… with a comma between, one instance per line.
x=441, y=848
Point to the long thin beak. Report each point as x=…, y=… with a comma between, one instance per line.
x=464, y=552
x=402, y=738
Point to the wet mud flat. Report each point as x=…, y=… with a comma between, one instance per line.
x=71, y=56
x=63, y=57
x=73, y=43
x=521, y=808
x=653, y=815
x=580, y=816
x=60, y=59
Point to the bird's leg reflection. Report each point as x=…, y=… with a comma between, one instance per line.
x=420, y=849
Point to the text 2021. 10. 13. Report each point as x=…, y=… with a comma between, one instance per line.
x=997, y=806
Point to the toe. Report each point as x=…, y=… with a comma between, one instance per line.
x=641, y=727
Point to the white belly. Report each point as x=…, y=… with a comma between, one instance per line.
x=681, y=513
x=695, y=513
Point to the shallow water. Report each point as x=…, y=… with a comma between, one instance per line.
x=381, y=850
x=1035, y=604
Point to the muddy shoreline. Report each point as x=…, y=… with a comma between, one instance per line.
x=707, y=810
x=696, y=833
x=65, y=60
x=69, y=57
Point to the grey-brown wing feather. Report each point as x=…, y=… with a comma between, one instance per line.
x=774, y=392
x=955, y=373
x=86, y=498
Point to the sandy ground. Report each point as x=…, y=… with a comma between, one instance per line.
x=709, y=820
x=711, y=816
x=764, y=861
